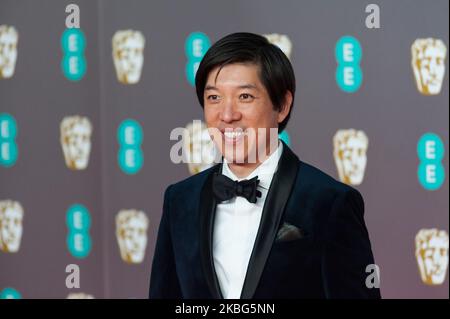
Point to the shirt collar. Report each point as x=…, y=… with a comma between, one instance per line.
x=264, y=171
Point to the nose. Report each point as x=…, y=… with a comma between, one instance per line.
x=229, y=112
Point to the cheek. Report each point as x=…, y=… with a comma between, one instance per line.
x=253, y=115
x=262, y=120
x=265, y=112
x=211, y=116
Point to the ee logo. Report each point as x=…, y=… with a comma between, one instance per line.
x=130, y=156
x=348, y=54
x=78, y=223
x=8, y=146
x=196, y=45
x=430, y=151
x=73, y=44
x=10, y=293
x=284, y=136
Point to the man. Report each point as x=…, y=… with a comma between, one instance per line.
x=271, y=228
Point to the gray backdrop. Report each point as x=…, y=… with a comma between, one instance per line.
x=387, y=107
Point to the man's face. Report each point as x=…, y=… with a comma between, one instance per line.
x=8, y=51
x=429, y=65
x=433, y=259
x=11, y=215
x=128, y=53
x=236, y=105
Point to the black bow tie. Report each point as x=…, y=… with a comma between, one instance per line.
x=225, y=188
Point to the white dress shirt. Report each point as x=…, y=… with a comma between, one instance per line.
x=235, y=227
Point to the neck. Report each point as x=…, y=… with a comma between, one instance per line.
x=242, y=170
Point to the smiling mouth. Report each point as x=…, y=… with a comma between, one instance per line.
x=233, y=136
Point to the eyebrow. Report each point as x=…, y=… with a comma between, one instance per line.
x=244, y=86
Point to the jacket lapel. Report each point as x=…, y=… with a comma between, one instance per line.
x=277, y=197
x=207, y=214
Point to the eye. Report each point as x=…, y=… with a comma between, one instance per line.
x=212, y=97
x=246, y=97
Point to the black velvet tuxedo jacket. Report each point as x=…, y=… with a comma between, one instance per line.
x=312, y=241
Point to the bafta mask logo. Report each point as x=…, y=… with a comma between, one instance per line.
x=428, y=63
x=11, y=216
x=198, y=146
x=432, y=255
x=282, y=41
x=350, y=147
x=79, y=295
x=131, y=233
x=8, y=50
x=76, y=134
x=128, y=55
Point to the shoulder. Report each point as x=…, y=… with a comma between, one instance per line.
x=320, y=186
x=313, y=177
x=313, y=183
x=319, y=200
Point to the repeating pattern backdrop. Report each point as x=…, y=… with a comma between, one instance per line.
x=86, y=114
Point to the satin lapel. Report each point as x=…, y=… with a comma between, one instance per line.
x=277, y=197
x=207, y=213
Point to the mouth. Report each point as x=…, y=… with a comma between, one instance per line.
x=233, y=136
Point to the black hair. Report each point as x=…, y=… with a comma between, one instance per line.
x=275, y=70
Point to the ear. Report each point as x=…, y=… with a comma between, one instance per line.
x=283, y=113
